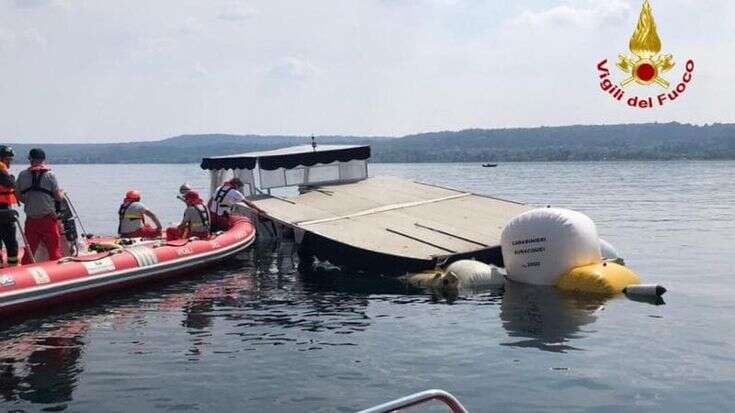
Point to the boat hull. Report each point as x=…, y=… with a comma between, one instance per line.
x=72, y=280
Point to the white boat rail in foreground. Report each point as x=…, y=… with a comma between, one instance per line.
x=419, y=398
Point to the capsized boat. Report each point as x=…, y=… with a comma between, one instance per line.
x=375, y=224
x=393, y=226
x=35, y=286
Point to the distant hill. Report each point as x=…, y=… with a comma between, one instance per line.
x=567, y=143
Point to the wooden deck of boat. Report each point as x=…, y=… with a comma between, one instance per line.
x=396, y=217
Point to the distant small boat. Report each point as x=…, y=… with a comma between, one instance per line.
x=489, y=165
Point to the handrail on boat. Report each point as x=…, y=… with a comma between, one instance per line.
x=419, y=398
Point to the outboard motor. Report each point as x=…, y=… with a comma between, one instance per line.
x=71, y=243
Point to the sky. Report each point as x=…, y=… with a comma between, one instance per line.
x=105, y=70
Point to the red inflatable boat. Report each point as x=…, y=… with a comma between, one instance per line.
x=36, y=286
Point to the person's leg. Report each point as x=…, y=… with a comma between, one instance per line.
x=33, y=237
x=146, y=231
x=149, y=231
x=172, y=233
x=201, y=235
x=11, y=243
x=220, y=222
x=51, y=237
x=3, y=234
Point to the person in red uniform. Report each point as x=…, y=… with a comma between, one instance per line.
x=196, y=221
x=39, y=192
x=132, y=215
x=7, y=200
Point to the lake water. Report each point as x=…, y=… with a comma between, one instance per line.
x=255, y=335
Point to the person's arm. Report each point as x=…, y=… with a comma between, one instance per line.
x=7, y=180
x=154, y=218
x=57, y=192
x=239, y=199
x=19, y=189
x=252, y=206
x=185, y=222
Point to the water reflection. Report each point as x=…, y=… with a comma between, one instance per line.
x=546, y=318
x=42, y=365
x=254, y=301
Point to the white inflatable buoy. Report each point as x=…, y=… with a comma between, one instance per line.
x=463, y=274
x=475, y=274
x=541, y=245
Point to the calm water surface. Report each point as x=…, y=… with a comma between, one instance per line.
x=256, y=335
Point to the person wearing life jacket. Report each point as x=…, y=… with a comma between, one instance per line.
x=7, y=200
x=132, y=214
x=196, y=221
x=225, y=199
x=39, y=192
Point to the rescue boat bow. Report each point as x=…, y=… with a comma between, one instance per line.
x=39, y=285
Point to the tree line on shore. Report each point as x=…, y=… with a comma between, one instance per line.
x=653, y=141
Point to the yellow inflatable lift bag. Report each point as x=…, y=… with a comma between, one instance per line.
x=603, y=278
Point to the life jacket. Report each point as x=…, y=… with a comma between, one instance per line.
x=7, y=194
x=124, y=215
x=217, y=204
x=203, y=226
x=37, y=173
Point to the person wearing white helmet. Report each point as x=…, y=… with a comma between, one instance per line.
x=226, y=199
x=185, y=188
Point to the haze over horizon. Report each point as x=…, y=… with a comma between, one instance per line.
x=137, y=71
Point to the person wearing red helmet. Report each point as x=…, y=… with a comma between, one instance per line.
x=196, y=221
x=132, y=215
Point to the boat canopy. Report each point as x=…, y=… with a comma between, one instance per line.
x=288, y=158
x=301, y=165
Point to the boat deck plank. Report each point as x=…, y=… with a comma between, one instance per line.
x=397, y=217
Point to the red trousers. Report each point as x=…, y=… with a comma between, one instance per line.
x=220, y=222
x=173, y=233
x=44, y=230
x=147, y=231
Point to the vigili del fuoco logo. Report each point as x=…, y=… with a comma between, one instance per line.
x=647, y=67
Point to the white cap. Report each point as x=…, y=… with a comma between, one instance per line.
x=184, y=188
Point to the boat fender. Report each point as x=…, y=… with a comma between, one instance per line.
x=474, y=274
x=645, y=290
